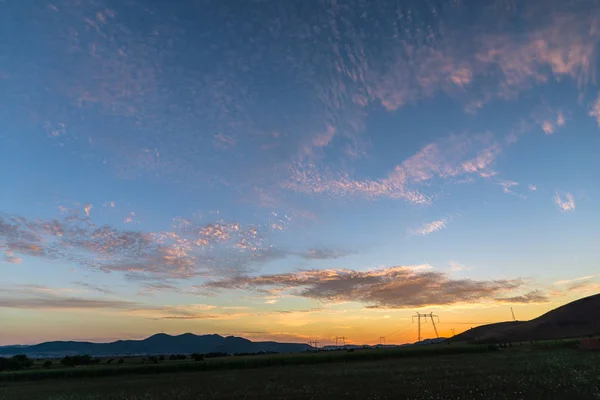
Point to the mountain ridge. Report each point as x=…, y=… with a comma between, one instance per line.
x=160, y=343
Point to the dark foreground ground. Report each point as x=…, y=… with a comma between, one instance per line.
x=533, y=374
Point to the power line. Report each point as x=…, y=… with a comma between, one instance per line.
x=398, y=330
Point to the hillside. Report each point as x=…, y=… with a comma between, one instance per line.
x=479, y=332
x=577, y=319
x=156, y=344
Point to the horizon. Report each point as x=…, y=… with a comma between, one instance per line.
x=295, y=173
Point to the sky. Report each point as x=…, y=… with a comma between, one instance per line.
x=295, y=170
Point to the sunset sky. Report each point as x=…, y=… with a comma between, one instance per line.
x=294, y=170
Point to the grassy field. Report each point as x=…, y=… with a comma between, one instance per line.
x=517, y=373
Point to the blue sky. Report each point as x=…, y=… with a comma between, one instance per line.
x=192, y=167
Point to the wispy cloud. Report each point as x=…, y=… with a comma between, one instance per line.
x=430, y=227
x=324, y=254
x=595, y=110
x=536, y=296
x=532, y=188
x=223, y=141
x=582, y=278
x=566, y=203
x=10, y=258
x=447, y=158
x=93, y=288
x=395, y=287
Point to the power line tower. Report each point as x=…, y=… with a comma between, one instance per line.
x=382, y=340
x=343, y=339
x=431, y=315
x=340, y=339
x=314, y=343
x=419, y=316
x=513, y=314
x=452, y=330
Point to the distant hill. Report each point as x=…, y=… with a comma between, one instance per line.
x=577, y=319
x=156, y=344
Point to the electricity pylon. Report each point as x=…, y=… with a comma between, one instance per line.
x=513, y=314
x=419, y=316
x=382, y=340
x=431, y=315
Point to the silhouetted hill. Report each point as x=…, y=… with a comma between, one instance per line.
x=479, y=332
x=577, y=319
x=156, y=344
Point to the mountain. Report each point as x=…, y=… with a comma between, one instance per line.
x=577, y=319
x=157, y=344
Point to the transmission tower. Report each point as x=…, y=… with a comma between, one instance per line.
x=341, y=339
x=431, y=315
x=513, y=314
x=382, y=340
x=452, y=330
x=419, y=316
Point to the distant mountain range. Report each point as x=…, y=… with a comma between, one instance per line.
x=578, y=319
x=157, y=344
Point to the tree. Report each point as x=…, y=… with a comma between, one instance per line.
x=121, y=361
x=47, y=364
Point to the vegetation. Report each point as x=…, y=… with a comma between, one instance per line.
x=15, y=363
x=520, y=372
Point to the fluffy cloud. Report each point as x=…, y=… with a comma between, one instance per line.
x=565, y=204
x=396, y=287
x=213, y=248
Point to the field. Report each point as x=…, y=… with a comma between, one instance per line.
x=527, y=372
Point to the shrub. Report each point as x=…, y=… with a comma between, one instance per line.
x=197, y=357
x=47, y=364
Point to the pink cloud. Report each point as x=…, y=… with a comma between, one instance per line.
x=565, y=204
x=430, y=227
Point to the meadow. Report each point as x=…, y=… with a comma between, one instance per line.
x=548, y=371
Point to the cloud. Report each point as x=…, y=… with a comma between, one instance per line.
x=324, y=254
x=565, y=204
x=395, y=287
x=547, y=127
x=595, y=110
x=430, y=227
x=447, y=158
x=222, y=141
x=87, y=208
x=93, y=288
x=532, y=188
x=195, y=249
x=536, y=296
x=325, y=138
x=10, y=258
x=456, y=267
x=582, y=278
x=71, y=303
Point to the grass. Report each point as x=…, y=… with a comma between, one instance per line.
x=135, y=366
x=552, y=372
x=555, y=373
